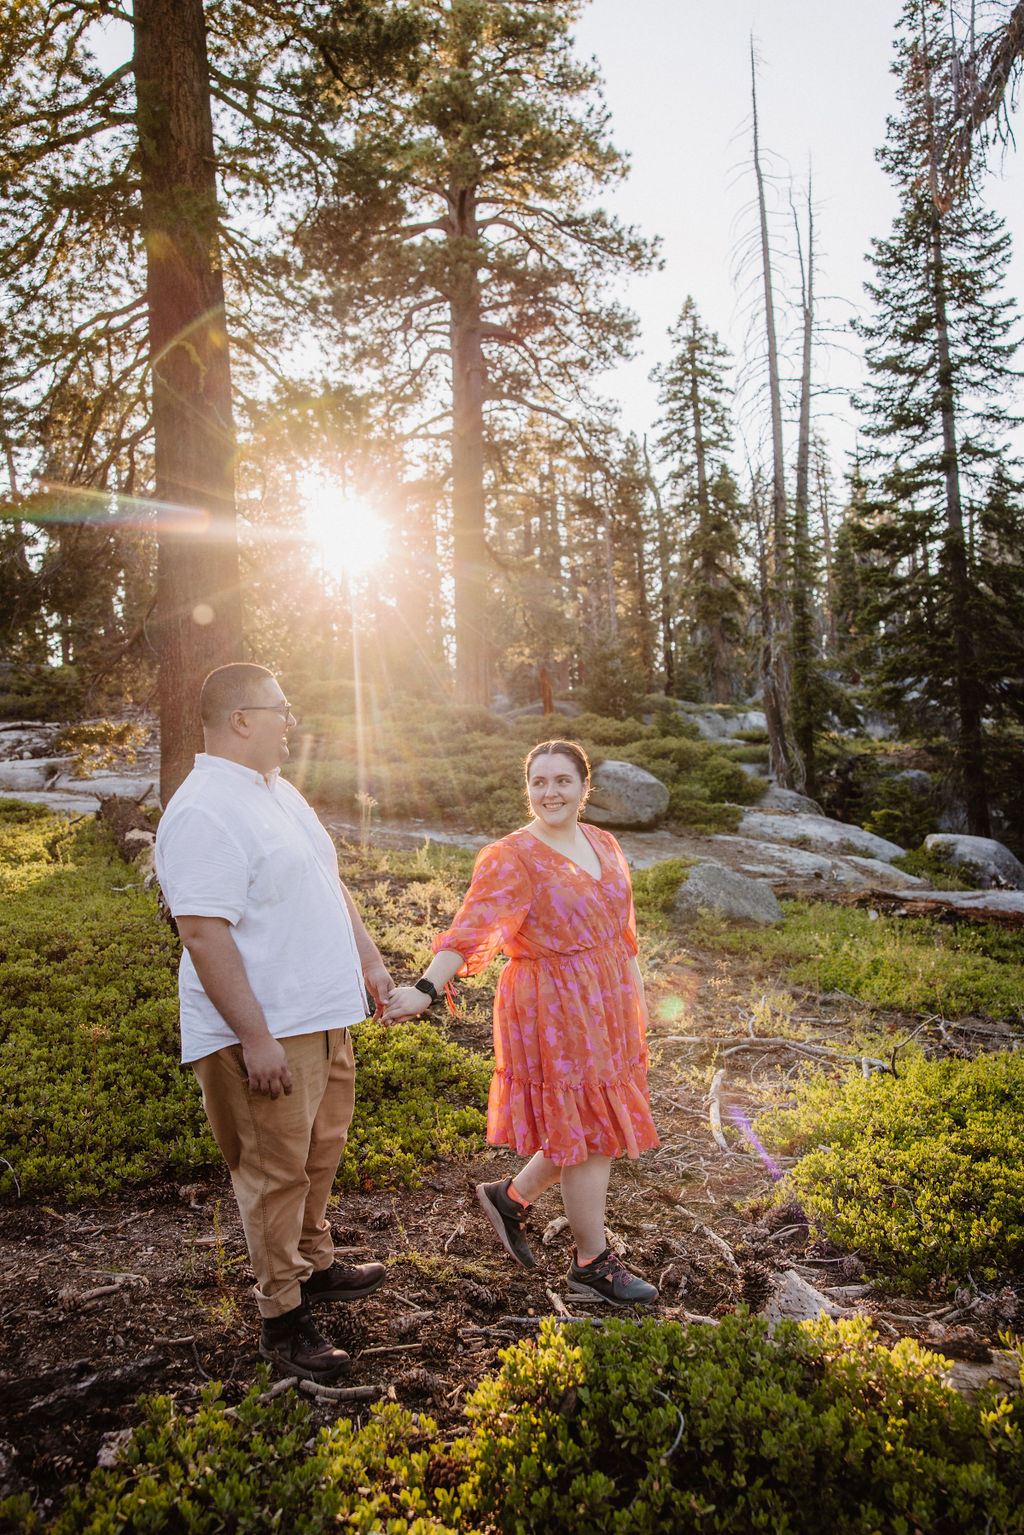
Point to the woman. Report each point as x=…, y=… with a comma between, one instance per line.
x=570, y=1081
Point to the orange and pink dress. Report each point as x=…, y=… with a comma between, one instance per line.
x=570, y=1052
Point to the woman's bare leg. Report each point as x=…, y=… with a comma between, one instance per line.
x=584, y=1195
x=539, y=1174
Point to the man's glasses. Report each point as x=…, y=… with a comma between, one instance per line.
x=282, y=709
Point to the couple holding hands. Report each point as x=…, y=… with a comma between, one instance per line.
x=275, y=965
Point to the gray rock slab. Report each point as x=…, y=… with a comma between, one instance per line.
x=62, y=804
x=18, y=773
x=882, y=876
x=625, y=795
x=142, y=787
x=1009, y=902
x=776, y=860
x=818, y=832
x=714, y=887
x=991, y=864
x=775, y=798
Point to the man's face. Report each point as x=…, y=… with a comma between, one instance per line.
x=267, y=719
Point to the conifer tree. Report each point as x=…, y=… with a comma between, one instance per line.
x=940, y=353
x=464, y=256
x=694, y=442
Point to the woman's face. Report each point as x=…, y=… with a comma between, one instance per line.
x=556, y=790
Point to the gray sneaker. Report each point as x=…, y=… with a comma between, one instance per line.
x=508, y=1218
x=607, y=1278
x=294, y=1345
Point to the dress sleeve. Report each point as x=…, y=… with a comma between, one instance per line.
x=494, y=908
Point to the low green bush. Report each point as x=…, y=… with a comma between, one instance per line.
x=418, y=1096
x=636, y=1429
x=95, y=1098
x=923, y=1174
x=926, y=864
x=655, y=889
x=700, y=816
x=912, y=964
x=100, y=744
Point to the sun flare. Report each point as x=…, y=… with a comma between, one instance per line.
x=347, y=534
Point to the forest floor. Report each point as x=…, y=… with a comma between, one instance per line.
x=150, y=1292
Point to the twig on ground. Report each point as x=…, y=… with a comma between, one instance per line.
x=558, y=1304
x=460, y=1231
x=339, y=1393
x=715, y=1108
x=391, y=1348
x=553, y=1229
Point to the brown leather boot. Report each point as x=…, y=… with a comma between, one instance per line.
x=294, y=1345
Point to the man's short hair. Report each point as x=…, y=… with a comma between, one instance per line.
x=230, y=687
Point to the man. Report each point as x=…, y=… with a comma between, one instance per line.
x=275, y=969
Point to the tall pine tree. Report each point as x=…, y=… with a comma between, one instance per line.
x=940, y=351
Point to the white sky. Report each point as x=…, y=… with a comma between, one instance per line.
x=677, y=82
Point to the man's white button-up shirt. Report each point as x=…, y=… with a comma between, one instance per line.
x=236, y=845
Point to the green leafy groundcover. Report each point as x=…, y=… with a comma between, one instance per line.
x=637, y=1429
x=94, y=1096
x=909, y=963
x=924, y=1173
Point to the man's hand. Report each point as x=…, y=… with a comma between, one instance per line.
x=267, y=1065
x=405, y=1002
x=380, y=986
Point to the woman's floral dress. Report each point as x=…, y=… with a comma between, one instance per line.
x=570, y=1053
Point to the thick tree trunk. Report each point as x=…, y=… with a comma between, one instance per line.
x=198, y=606
x=469, y=542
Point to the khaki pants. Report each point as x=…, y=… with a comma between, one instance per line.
x=282, y=1154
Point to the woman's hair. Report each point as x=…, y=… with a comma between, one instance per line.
x=577, y=756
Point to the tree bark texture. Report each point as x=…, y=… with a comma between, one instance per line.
x=198, y=603
x=469, y=542
x=970, y=742
x=774, y=650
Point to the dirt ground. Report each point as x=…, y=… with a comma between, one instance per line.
x=101, y=1303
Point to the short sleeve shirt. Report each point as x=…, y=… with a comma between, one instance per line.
x=249, y=849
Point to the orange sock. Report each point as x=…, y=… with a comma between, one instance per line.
x=513, y=1193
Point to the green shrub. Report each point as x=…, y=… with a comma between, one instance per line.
x=909, y=963
x=631, y=1430
x=697, y=815
x=926, y=864
x=924, y=1173
x=660, y=1427
x=901, y=812
x=42, y=693
x=655, y=888
x=95, y=1097
x=725, y=780
x=418, y=1096
x=101, y=744
x=254, y=1468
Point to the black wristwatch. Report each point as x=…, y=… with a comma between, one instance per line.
x=427, y=987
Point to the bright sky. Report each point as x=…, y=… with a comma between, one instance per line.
x=677, y=82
